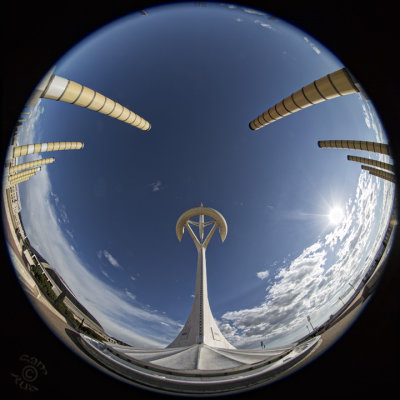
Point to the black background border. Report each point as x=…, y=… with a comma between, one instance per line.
x=364, y=363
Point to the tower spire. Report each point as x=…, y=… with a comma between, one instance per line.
x=200, y=327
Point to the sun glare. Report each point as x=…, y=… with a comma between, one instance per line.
x=335, y=215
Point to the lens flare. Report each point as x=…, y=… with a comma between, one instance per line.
x=336, y=215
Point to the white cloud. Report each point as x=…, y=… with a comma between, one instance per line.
x=263, y=274
x=286, y=303
x=109, y=257
x=30, y=127
x=309, y=284
x=119, y=317
x=227, y=330
x=133, y=278
x=366, y=116
x=250, y=11
x=264, y=25
x=130, y=294
x=124, y=332
x=156, y=186
x=105, y=273
x=61, y=209
x=372, y=122
x=313, y=46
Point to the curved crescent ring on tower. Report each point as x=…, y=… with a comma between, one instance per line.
x=210, y=212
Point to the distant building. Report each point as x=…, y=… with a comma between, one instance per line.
x=12, y=201
x=61, y=289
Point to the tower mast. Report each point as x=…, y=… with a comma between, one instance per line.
x=200, y=327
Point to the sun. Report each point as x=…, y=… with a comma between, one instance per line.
x=335, y=215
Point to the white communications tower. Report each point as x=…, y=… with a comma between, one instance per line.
x=200, y=327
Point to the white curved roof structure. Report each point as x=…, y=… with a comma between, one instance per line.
x=199, y=369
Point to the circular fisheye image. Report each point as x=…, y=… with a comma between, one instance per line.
x=199, y=199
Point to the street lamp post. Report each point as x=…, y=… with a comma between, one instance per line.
x=309, y=320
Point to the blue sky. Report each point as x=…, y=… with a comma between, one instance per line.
x=105, y=216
